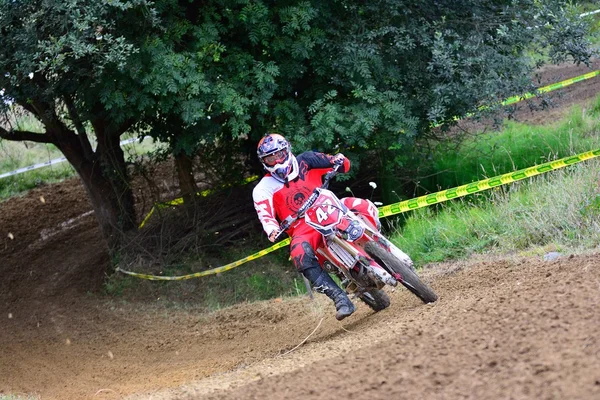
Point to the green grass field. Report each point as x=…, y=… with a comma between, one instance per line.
x=15, y=155
x=556, y=211
x=514, y=147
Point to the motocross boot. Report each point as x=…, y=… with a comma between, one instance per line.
x=307, y=263
x=343, y=305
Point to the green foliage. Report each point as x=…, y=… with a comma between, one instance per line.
x=67, y=64
x=396, y=73
x=516, y=146
x=18, y=184
x=52, y=48
x=260, y=281
x=591, y=207
x=457, y=231
x=116, y=286
x=559, y=209
x=363, y=77
x=269, y=277
x=215, y=71
x=224, y=71
x=15, y=155
x=18, y=155
x=595, y=108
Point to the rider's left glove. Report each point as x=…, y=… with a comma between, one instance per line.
x=338, y=159
x=273, y=235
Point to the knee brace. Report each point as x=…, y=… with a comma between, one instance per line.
x=305, y=258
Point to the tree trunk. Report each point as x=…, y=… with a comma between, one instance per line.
x=105, y=178
x=103, y=171
x=187, y=183
x=112, y=216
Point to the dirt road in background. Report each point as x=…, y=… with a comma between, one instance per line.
x=512, y=328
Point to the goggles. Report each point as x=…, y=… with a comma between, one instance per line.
x=275, y=158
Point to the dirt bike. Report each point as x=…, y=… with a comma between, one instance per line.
x=355, y=251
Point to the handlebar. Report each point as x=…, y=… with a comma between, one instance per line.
x=285, y=225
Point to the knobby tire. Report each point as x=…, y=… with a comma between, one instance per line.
x=410, y=280
x=376, y=299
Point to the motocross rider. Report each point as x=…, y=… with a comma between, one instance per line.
x=289, y=181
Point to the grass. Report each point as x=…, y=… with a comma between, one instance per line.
x=556, y=211
x=559, y=211
x=516, y=146
x=15, y=155
x=19, y=184
x=268, y=277
x=18, y=397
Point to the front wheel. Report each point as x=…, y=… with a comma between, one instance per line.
x=376, y=299
x=407, y=276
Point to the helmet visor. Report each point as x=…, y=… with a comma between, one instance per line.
x=275, y=158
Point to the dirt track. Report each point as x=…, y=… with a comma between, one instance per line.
x=512, y=328
x=519, y=329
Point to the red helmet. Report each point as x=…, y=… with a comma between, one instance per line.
x=274, y=152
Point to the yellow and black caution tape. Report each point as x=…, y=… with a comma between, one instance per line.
x=544, y=89
x=179, y=201
x=549, y=88
x=213, y=271
x=460, y=191
x=509, y=101
x=403, y=206
x=412, y=204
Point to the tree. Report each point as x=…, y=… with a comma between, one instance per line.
x=359, y=76
x=65, y=62
x=385, y=72
x=366, y=77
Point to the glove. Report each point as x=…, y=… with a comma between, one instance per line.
x=338, y=159
x=273, y=235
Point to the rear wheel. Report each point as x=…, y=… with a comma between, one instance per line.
x=408, y=277
x=376, y=299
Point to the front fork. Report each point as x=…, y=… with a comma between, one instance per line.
x=348, y=258
x=391, y=248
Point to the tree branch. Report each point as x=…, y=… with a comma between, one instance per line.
x=83, y=138
x=18, y=136
x=46, y=113
x=39, y=110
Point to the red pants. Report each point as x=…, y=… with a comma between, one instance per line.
x=306, y=239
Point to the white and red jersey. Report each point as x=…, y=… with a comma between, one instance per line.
x=274, y=201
